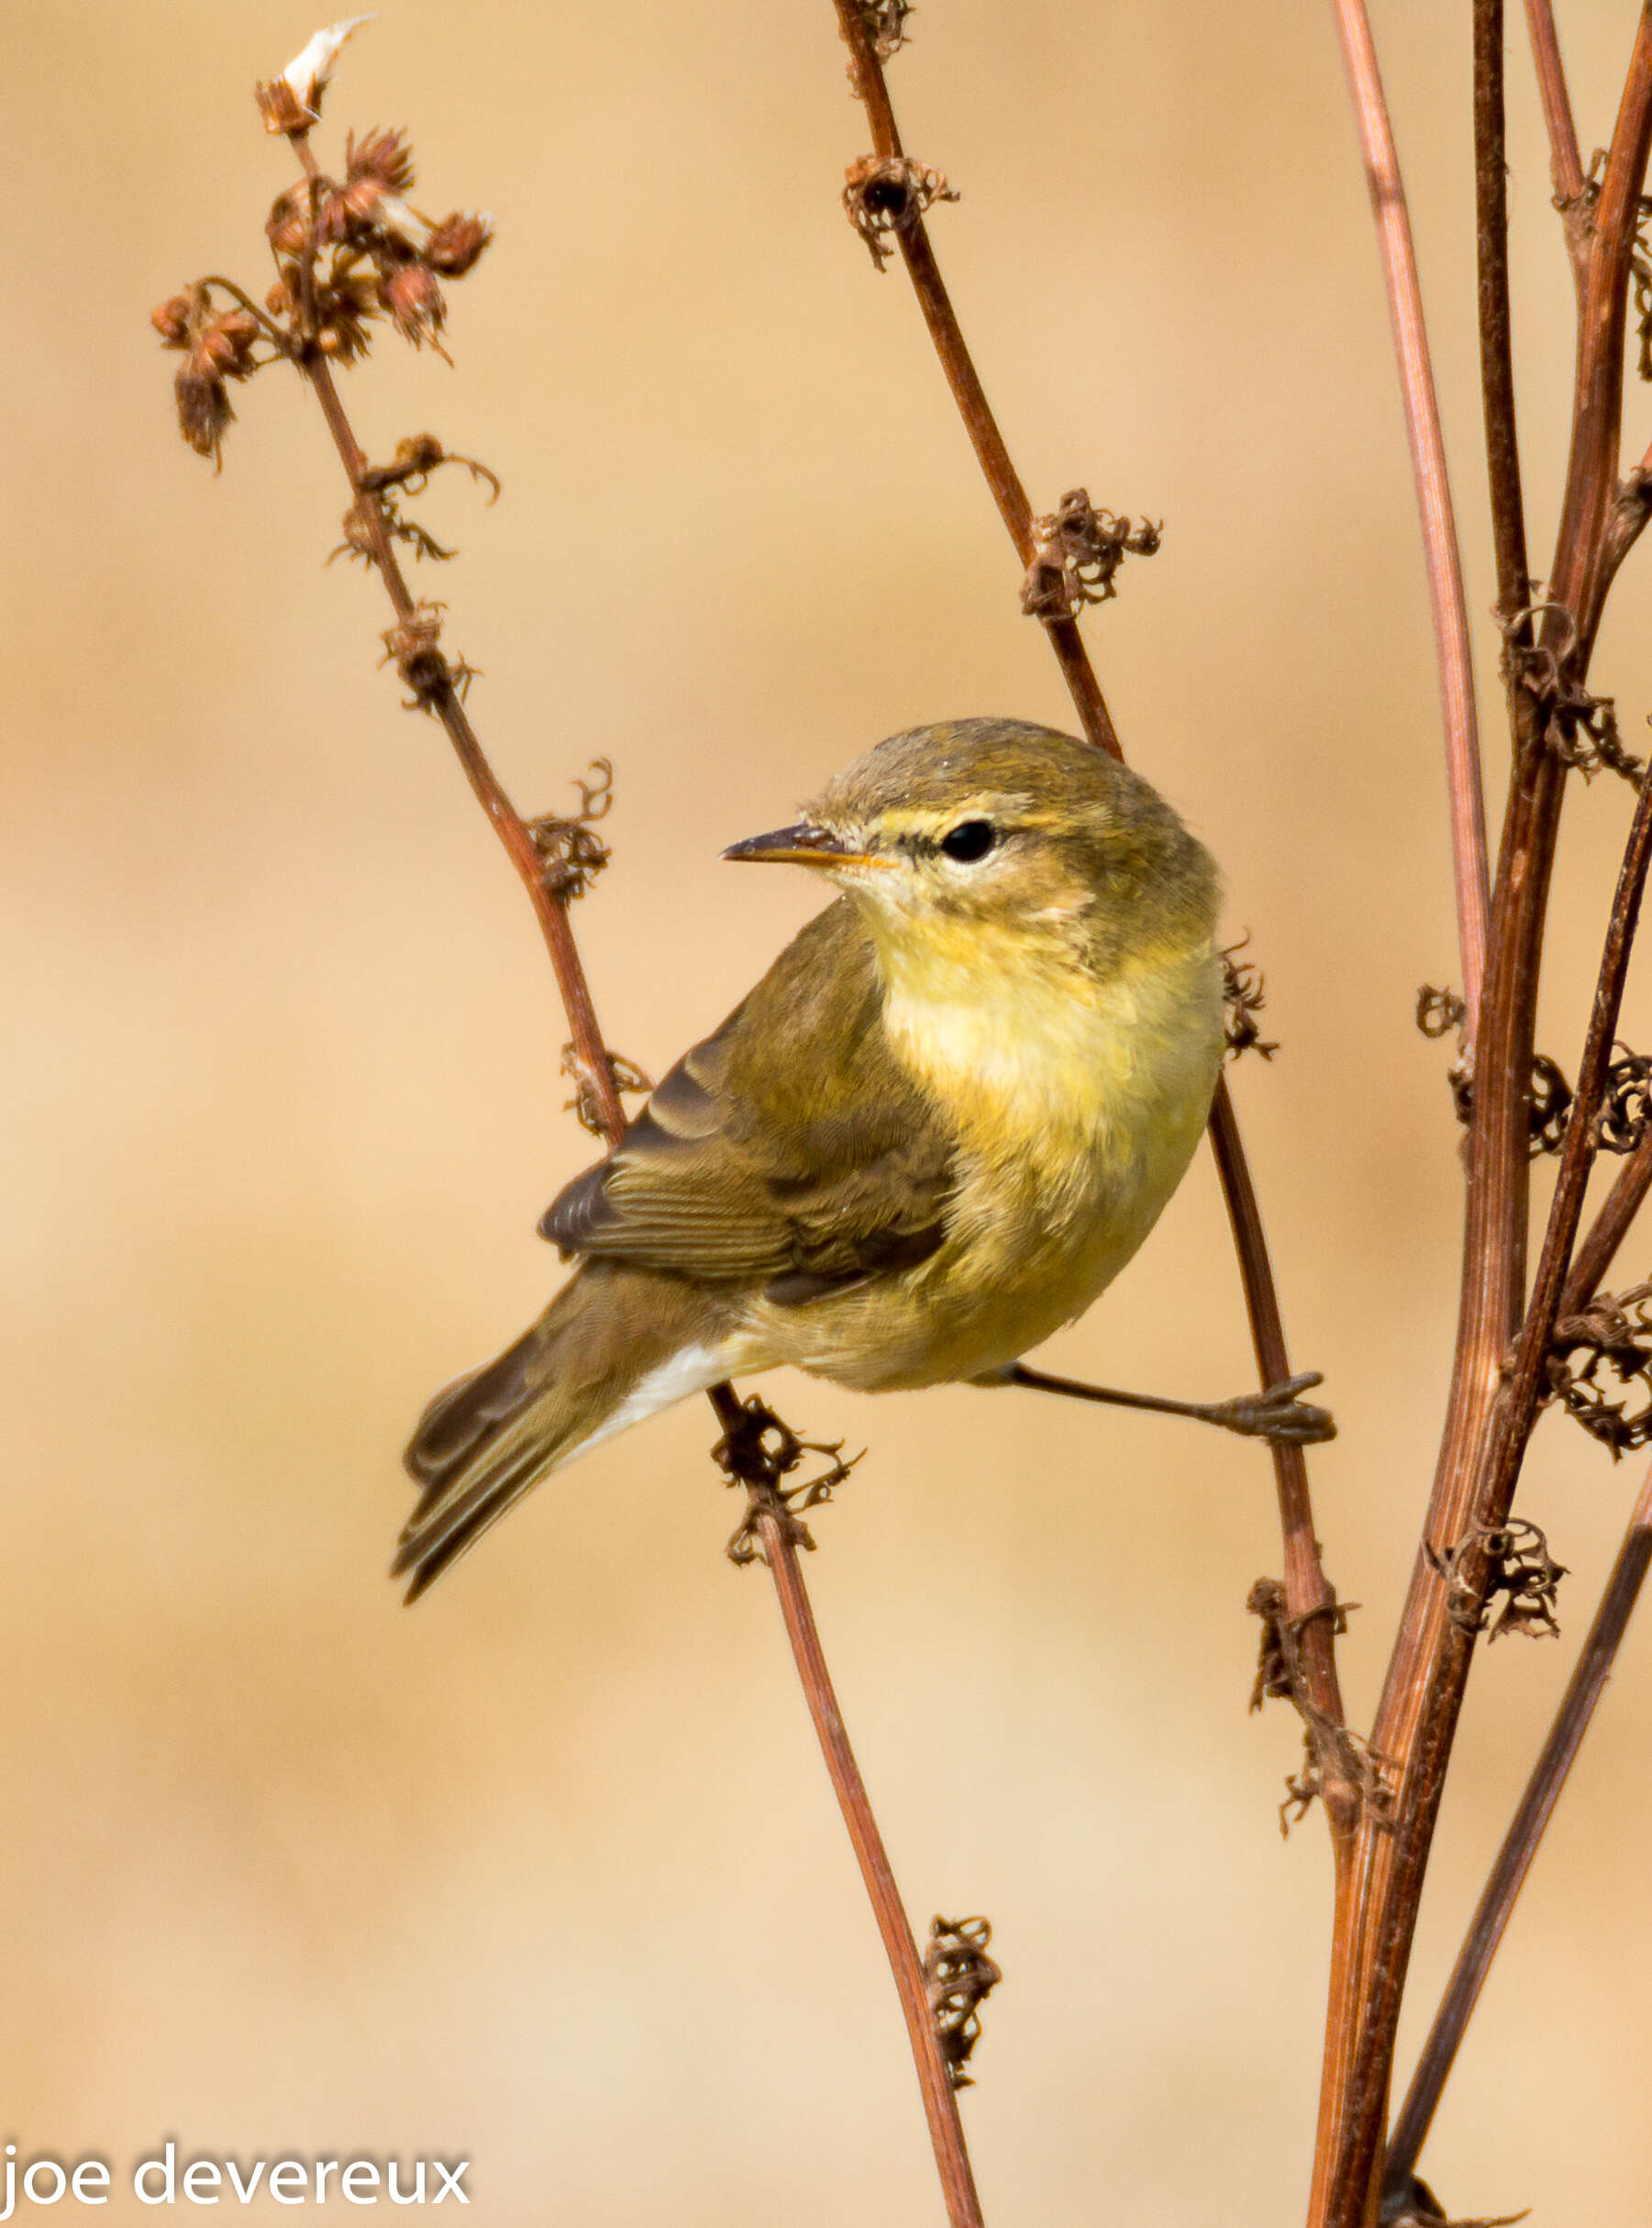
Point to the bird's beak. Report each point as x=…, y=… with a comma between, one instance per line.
x=803, y=846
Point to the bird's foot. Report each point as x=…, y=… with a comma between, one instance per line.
x=1276, y=1414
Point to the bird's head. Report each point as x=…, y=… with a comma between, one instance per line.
x=979, y=828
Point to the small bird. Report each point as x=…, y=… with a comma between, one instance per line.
x=937, y=1129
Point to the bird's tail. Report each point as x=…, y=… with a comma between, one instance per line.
x=614, y=1346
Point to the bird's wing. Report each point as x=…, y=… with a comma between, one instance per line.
x=790, y=1151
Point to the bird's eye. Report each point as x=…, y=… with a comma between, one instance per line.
x=969, y=840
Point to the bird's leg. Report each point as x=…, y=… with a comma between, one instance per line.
x=1276, y=1414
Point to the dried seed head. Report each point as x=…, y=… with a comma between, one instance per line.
x=1598, y=1359
x=204, y=411
x=887, y=194
x=217, y=345
x=958, y=1977
x=586, y=1104
x=885, y=22
x=1243, y=994
x=1077, y=552
x=343, y=305
x=280, y=107
x=1440, y=1010
x=456, y=244
x=414, y=648
x=226, y=343
x=288, y=223
x=291, y=102
x=381, y=158
x=171, y=320
x=409, y=292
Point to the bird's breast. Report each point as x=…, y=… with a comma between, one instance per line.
x=1075, y=1104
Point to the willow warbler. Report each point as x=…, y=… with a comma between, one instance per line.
x=940, y=1124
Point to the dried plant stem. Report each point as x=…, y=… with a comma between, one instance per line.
x=992, y=454
x=1308, y=1590
x=1565, y=162
x=940, y=2104
x=508, y=823
x=1427, y=444
x=1487, y=1422
x=1610, y=1227
x=1496, y=1905
x=1393, y=1875
x=940, y=2099
x=1496, y=347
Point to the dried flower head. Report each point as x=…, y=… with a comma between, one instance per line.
x=958, y=1977
x=1511, y=1559
x=570, y=854
x=586, y=1104
x=288, y=223
x=414, y=647
x=885, y=22
x=291, y=102
x=217, y=345
x=759, y=1452
x=1626, y=1103
x=1243, y=994
x=1077, y=552
x=1598, y=1357
x=887, y=194
x=171, y=320
x=1440, y=1011
x=345, y=301
x=409, y=291
x=456, y=244
x=383, y=159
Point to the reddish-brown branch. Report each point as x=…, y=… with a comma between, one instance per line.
x=1565, y=161
x=1309, y=1592
x=1610, y=1227
x=940, y=2104
x=940, y=2099
x=507, y=824
x=1427, y=444
x=1484, y=1435
x=1537, y=1807
x=1496, y=346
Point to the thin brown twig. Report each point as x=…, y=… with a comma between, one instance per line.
x=1309, y=1592
x=1565, y=159
x=940, y=2104
x=1599, y=1246
x=940, y=2099
x=992, y=454
x=1496, y=346
x=1427, y=445
x=1520, y=1845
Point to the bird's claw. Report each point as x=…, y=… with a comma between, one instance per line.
x=1278, y=1414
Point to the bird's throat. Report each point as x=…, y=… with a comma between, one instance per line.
x=1038, y=1058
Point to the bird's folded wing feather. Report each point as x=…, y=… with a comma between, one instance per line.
x=790, y=1151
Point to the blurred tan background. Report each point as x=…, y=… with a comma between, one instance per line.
x=548, y=1873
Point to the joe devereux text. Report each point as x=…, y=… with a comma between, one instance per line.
x=161, y=2179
